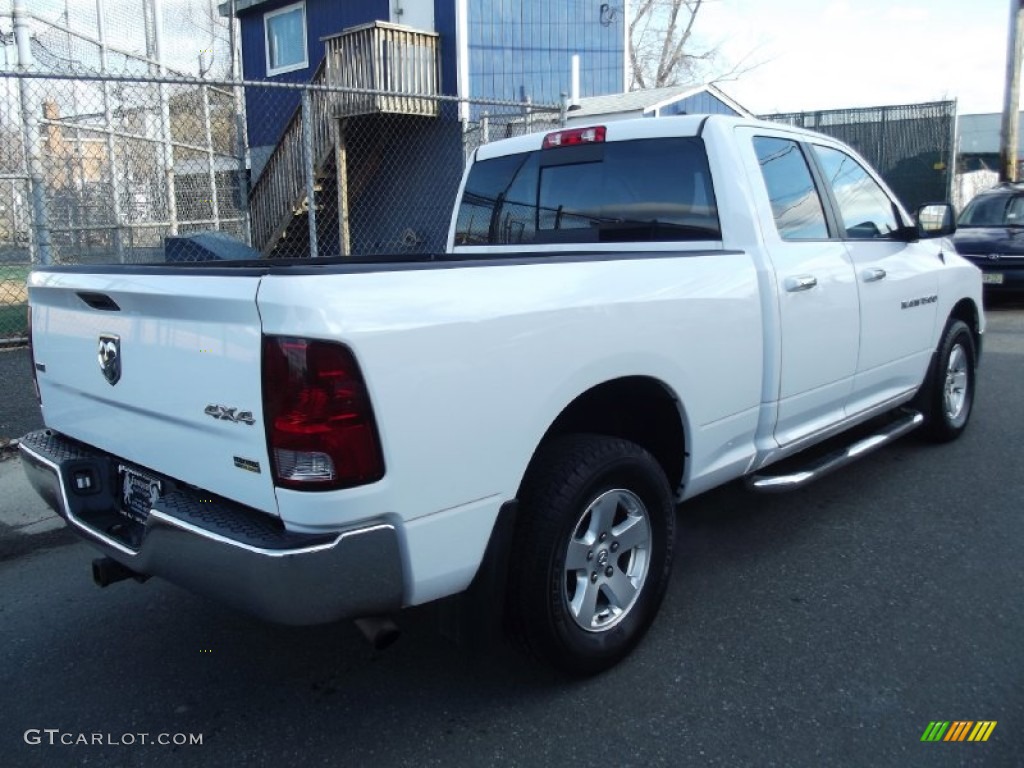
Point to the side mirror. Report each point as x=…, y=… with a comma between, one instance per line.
x=935, y=220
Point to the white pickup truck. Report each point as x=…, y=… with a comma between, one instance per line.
x=626, y=316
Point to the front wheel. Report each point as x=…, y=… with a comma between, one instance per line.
x=947, y=398
x=592, y=552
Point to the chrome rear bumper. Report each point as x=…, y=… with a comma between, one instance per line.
x=218, y=548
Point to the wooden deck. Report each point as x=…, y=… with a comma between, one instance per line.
x=398, y=63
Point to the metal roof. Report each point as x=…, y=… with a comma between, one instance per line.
x=647, y=101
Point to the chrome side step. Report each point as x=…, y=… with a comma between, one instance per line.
x=823, y=465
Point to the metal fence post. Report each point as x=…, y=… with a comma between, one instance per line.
x=341, y=168
x=108, y=126
x=211, y=158
x=954, y=140
x=241, y=132
x=40, y=246
x=308, y=170
x=883, y=127
x=165, y=118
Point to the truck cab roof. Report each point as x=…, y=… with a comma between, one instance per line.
x=637, y=128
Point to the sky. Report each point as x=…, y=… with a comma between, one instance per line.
x=831, y=54
x=805, y=54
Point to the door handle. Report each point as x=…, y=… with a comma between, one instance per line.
x=872, y=275
x=800, y=283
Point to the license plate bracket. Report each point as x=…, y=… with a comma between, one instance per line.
x=139, y=492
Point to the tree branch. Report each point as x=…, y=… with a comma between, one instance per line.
x=661, y=47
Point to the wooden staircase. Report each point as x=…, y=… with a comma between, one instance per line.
x=373, y=69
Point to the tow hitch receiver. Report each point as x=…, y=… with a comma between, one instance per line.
x=107, y=571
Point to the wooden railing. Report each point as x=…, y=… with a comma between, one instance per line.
x=279, y=194
x=399, y=60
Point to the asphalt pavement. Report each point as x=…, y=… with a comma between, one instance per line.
x=827, y=627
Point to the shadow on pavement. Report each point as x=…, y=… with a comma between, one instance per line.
x=19, y=411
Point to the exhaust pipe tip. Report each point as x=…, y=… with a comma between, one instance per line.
x=107, y=571
x=379, y=631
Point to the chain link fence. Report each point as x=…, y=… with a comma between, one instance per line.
x=349, y=172
x=109, y=156
x=912, y=146
x=97, y=162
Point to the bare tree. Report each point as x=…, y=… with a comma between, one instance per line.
x=664, y=51
x=213, y=31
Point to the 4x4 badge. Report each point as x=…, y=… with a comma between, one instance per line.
x=224, y=413
x=109, y=355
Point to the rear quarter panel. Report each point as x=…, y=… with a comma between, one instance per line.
x=468, y=367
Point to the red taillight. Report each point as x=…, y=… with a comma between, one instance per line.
x=592, y=135
x=320, y=427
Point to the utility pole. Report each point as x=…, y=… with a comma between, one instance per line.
x=1011, y=105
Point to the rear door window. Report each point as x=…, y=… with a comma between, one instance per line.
x=627, y=191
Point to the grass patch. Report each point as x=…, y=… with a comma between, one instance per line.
x=17, y=273
x=13, y=292
x=13, y=321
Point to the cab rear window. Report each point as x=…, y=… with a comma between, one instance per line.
x=645, y=190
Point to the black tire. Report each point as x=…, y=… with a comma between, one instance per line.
x=947, y=396
x=549, y=610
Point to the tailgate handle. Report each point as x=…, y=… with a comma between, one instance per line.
x=99, y=301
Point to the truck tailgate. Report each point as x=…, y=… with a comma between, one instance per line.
x=158, y=368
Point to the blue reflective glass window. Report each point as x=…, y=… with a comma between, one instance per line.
x=533, y=42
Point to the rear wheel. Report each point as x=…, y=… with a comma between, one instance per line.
x=948, y=397
x=592, y=552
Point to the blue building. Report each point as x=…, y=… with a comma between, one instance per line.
x=509, y=50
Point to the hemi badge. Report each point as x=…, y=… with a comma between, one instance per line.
x=247, y=464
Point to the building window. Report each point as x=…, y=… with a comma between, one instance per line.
x=285, y=31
